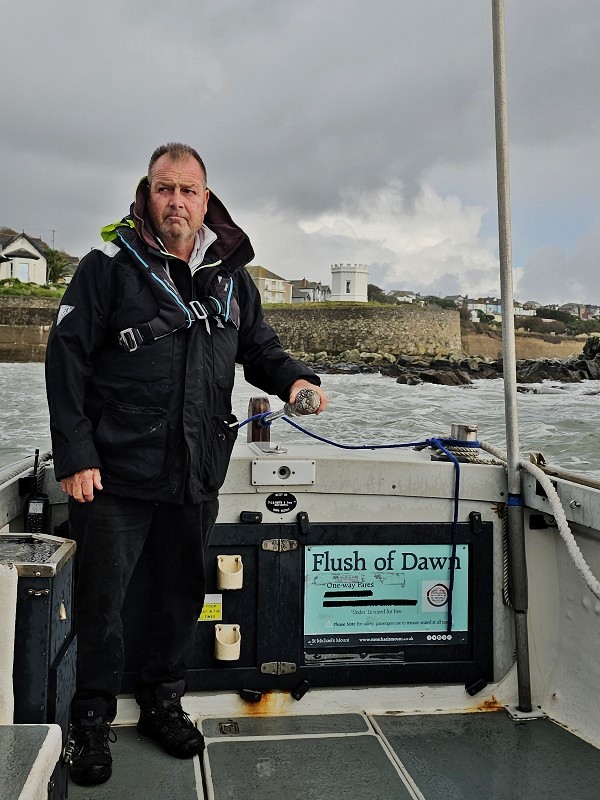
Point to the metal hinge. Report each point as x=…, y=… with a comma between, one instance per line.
x=38, y=592
x=278, y=667
x=280, y=545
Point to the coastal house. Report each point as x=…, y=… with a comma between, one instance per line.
x=490, y=306
x=532, y=304
x=520, y=310
x=590, y=312
x=271, y=287
x=23, y=257
x=305, y=291
x=459, y=300
x=575, y=309
x=402, y=296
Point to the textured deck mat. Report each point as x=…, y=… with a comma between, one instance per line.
x=19, y=747
x=335, y=768
x=468, y=756
x=287, y=726
x=141, y=771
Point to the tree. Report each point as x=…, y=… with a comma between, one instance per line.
x=442, y=302
x=376, y=294
x=554, y=313
x=59, y=265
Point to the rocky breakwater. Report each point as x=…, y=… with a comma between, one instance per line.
x=455, y=369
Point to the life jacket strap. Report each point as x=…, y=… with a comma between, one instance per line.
x=131, y=338
x=209, y=307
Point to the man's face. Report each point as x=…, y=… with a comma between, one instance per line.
x=178, y=198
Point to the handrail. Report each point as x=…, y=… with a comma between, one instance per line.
x=12, y=470
x=565, y=474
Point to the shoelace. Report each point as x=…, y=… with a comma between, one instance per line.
x=95, y=739
x=176, y=719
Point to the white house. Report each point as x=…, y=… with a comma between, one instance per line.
x=23, y=258
x=349, y=282
x=402, y=296
x=304, y=291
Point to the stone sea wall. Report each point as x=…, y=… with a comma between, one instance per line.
x=24, y=326
x=428, y=332
x=28, y=310
x=334, y=329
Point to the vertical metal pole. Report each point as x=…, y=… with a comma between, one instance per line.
x=516, y=533
x=257, y=433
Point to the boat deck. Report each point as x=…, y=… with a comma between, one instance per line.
x=347, y=756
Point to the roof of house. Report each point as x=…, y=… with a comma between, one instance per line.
x=256, y=271
x=8, y=238
x=22, y=253
x=303, y=283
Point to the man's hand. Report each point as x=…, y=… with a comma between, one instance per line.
x=81, y=485
x=302, y=384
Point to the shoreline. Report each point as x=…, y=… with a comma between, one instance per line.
x=456, y=369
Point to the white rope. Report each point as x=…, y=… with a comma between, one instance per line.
x=559, y=515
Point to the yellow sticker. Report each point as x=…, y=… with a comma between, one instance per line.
x=212, y=609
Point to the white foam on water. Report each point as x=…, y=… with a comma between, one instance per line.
x=367, y=409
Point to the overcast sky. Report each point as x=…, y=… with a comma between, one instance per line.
x=333, y=130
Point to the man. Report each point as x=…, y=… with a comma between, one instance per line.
x=139, y=369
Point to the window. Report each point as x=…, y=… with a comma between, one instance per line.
x=24, y=271
x=348, y=287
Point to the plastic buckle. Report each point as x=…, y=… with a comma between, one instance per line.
x=127, y=340
x=198, y=309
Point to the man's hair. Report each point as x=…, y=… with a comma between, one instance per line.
x=178, y=152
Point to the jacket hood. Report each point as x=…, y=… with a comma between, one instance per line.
x=231, y=239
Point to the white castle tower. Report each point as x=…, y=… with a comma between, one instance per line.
x=349, y=282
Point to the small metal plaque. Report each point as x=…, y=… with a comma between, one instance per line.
x=281, y=502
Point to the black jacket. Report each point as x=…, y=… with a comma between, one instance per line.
x=156, y=420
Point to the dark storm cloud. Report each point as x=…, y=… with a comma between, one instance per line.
x=301, y=110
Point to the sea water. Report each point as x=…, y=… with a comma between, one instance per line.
x=559, y=420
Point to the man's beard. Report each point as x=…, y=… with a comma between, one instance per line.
x=179, y=233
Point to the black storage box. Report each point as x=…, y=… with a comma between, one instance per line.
x=45, y=646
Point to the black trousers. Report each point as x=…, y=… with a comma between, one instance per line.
x=115, y=531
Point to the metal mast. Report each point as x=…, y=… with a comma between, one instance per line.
x=516, y=533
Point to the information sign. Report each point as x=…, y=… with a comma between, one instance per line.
x=212, y=610
x=384, y=595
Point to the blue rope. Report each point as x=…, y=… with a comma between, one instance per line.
x=251, y=419
x=436, y=442
x=455, y=461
